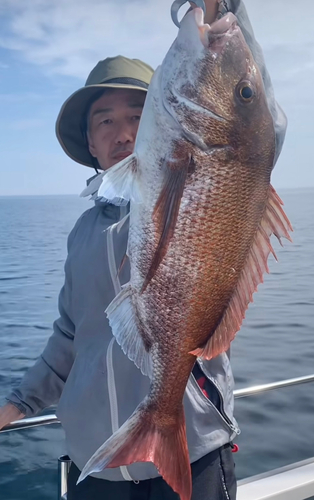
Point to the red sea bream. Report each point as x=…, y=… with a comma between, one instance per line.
x=202, y=214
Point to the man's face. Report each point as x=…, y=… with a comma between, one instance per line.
x=112, y=125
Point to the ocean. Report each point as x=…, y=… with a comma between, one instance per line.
x=276, y=340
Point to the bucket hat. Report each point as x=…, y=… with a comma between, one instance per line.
x=114, y=72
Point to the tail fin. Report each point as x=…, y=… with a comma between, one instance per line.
x=143, y=438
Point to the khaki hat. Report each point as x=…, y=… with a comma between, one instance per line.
x=114, y=72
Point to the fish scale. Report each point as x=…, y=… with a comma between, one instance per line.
x=202, y=214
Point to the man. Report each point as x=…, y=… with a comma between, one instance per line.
x=82, y=368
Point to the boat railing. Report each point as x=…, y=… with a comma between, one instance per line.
x=26, y=423
x=300, y=485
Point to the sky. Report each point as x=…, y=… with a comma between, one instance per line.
x=48, y=48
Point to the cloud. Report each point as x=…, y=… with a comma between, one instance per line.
x=283, y=24
x=68, y=37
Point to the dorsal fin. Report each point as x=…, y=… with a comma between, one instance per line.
x=167, y=208
x=274, y=222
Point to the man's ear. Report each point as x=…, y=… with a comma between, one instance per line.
x=91, y=146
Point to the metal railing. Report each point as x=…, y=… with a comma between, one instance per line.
x=27, y=423
x=259, y=389
x=64, y=462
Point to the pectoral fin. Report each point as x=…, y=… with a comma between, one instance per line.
x=121, y=182
x=167, y=208
x=122, y=319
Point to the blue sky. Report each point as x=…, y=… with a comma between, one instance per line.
x=48, y=47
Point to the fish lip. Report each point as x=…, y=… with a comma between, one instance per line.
x=224, y=25
x=209, y=34
x=217, y=42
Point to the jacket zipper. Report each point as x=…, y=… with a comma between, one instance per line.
x=221, y=410
x=110, y=249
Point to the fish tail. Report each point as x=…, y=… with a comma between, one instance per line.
x=144, y=438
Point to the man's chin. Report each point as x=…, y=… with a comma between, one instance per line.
x=113, y=161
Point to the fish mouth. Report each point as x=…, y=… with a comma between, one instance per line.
x=213, y=36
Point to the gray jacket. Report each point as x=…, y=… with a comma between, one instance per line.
x=84, y=370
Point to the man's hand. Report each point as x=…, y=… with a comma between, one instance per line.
x=211, y=10
x=9, y=413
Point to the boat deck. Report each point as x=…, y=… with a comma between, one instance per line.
x=294, y=482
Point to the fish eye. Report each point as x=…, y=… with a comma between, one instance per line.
x=245, y=91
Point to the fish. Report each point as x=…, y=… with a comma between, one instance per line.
x=202, y=212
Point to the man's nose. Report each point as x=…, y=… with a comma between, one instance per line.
x=125, y=133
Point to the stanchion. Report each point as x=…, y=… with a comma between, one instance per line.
x=64, y=463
